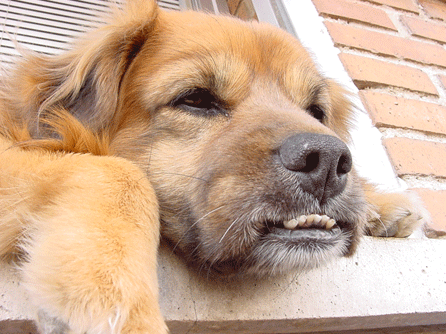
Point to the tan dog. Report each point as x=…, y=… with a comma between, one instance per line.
x=221, y=130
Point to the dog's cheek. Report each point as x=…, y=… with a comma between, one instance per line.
x=227, y=227
x=237, y=170
x=172, y=169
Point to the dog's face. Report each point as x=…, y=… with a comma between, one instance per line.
x=242, y=139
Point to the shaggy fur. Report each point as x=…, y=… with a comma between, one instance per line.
x=183, y=123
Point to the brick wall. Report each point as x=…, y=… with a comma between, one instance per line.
x=395, y=53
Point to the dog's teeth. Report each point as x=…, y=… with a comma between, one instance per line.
x=324, y=220
x=290, y=224
x=316, y=219
x=304, y=221
x=301, y=220
x=309, y=221
x=330, y=223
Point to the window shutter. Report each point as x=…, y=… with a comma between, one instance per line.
x=172, y=4
x=47, y=25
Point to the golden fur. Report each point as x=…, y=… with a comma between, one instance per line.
x=178, y=118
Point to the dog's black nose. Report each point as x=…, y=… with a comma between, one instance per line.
x=320, y=162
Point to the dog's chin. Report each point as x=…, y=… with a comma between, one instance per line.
x=280, y=250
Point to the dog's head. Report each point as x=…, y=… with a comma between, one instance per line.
x=242, y=138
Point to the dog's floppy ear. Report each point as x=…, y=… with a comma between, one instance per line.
x=86, y=80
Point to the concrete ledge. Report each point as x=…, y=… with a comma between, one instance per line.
x=387, y=283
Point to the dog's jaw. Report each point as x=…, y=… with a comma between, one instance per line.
x=250, y=238
x=280, y=252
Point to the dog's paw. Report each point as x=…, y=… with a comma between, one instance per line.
x=395, y=214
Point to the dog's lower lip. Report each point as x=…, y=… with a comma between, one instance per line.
x=304, y=234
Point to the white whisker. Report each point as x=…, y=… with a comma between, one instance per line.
x=384, y=226
x=196, y=222
x=227, y=230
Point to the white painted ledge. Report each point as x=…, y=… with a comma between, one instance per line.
x=387, y=283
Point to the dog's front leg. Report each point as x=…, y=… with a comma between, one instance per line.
x=90, y=234
x=393, y=214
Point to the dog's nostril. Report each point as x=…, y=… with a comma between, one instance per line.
x=311, y=162
x=344, y=164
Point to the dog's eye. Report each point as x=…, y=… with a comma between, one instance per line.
x=200, y=101
x=317, y=112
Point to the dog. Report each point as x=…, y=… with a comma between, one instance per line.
x=219, y=135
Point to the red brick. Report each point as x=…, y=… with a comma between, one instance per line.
x=422, y=28
x=367, y=72
x=434, y=201
x=398, y=4
x=358, y=12
x=435, y=9
x=412, y=156
x=384, y=44
x=391, y=111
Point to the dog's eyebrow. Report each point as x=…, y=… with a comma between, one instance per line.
x=229, y=78
x=317, y=91
x=318, y=87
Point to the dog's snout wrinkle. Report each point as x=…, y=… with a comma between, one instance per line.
x=320, y=162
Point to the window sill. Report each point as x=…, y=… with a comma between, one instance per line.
x=387, y=283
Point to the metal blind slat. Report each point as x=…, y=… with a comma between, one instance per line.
x=56, y=8
x=47, y=25
x=40, y=12
x=48, y=48
x=170, y=4
x=15, y=28
x=17, y=19
x=74, y=5
x=37, y=40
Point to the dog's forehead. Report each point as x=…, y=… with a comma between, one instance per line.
x=260, y=45
x=228, y=55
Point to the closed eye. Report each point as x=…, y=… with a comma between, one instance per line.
x=317, y=112
x=200, y=101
